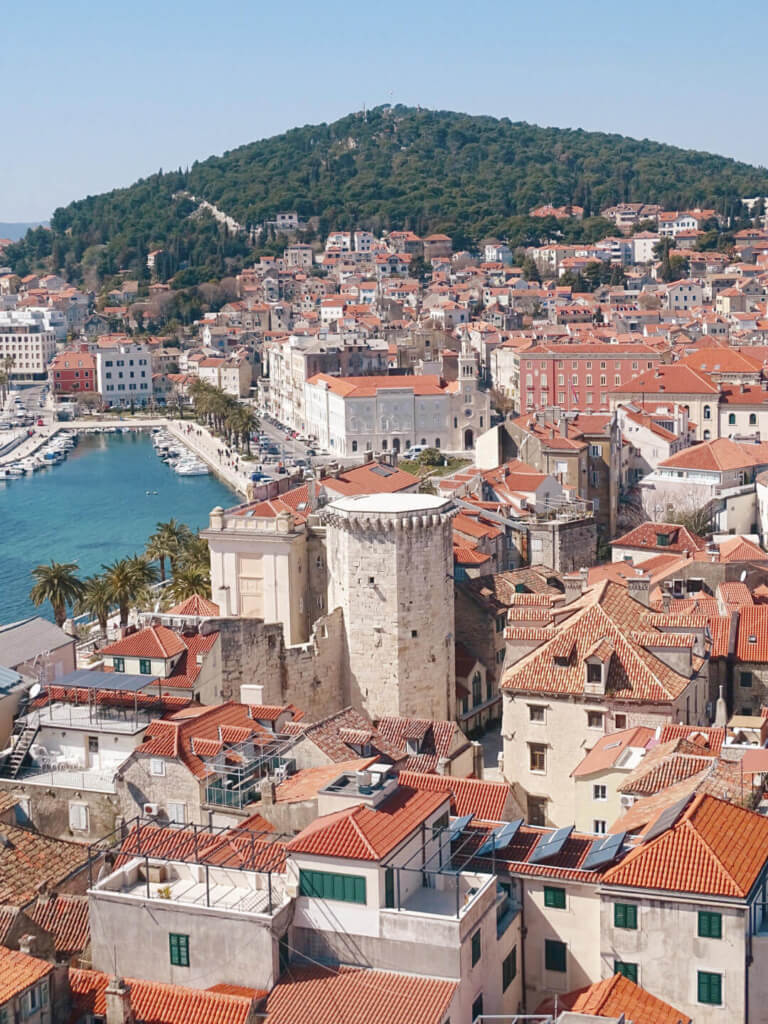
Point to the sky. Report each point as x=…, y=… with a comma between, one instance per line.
x=98, y=95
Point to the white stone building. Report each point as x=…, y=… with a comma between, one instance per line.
x=353, y=415
x=28, y=337
x=124, y=374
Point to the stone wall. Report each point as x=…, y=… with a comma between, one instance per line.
x=137, y=786
x=563, y=545
x=308, y=675
x=47, y=809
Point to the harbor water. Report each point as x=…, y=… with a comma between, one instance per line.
x=92, y=509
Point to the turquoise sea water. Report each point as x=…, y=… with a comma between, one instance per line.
x=93, y=509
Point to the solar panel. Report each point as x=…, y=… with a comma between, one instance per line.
x=98, y=680
x=551, y=845
x=458, y=825
x=667, y=818
x=499, y=838
x=603, y=851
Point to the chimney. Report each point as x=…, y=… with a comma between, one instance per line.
x=574, y=587
x=639, y=588
x=267, y=791
x=312, y=493
x=721, y=711
x=27, y=945
x=118, y=999
x=666, y=602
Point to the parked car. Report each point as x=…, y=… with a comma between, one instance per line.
x=41, y=423
x=311, y=451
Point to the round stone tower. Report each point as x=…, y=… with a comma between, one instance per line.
x=390, y=570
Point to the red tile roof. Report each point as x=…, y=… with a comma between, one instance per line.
x=156, y=1003
x=752, y=635
x=66, y=917
x=669, y=379
x=608, y=749
x=366, y=387
x=31, y=860
x=251, y=848
x=330, y=995
x=718, y=456
x=739, y=549
x=698, y=854
x=326, y=734
x=645, y=536
x=18, y=972
x=486, y=800
x=305, y=784
x=361, y=833
x=615, y=996
x=707, y=737
x=152, y=642
x=194, y=605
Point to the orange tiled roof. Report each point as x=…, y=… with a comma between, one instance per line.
x=305, y=784
x=328, y=995
x=194, y=605
x=618, y=995
x=18, y=972
x=485, y=800
x=645, y=536
x=739, y=549
x=158, y=1003
x=152, y=642
x=32, y=860
x=366, y=387
x=752, y=636
x=66, y=917
x=360, y=833
x=698, y=854
x=609, y=749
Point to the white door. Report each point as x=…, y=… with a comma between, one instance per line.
x=93, y=752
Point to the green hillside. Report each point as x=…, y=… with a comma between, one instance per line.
x=394, y=168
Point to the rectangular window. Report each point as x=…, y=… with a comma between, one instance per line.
x=554, y=955
x=476, y=950
x=145, y=666
x=625, y=915
x=599, y=792
x=179, y=948
x=538, y=757
x=710, y=988
x=477, y=1007
x=746, y=679
x=599, y=826
x=535, y=713
x=177, y=812
x=554, y=897
x=620, y=721
x=156, y=766
x=508, y=969
x=628, y=970
x=327, y=885
x=118, y=664
x=595, y=718
x=710, y=925
x=78, y=817
x=595, y=451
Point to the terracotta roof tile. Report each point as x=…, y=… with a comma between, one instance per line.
x=362, y=833
x=194, y=605
x=326, y=735
x=66, y=917
x=485, y=799
x=152, y=642
x=156, y=1003
x=645, y=536
x=30, y=860
x=618, y=995
x=752, y=634
x=608, y=749
x=328, y=995
x=698, y=854
x=18, y=972
x=707, y=737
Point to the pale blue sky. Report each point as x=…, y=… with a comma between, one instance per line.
x=98, y=94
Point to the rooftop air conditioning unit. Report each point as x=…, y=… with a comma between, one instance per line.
x=626, y=800
x=151, y=810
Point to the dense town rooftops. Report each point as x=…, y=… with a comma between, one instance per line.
x=485, y=799
x=661, y=537
x=718, y=456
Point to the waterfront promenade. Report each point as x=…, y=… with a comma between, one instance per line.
x=224, y=461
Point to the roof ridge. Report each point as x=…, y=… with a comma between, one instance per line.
x=366, y=841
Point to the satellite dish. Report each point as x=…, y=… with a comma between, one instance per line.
x=34, y=690
x=743, y=575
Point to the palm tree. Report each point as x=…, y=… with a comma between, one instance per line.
x=196, y=554
x=187, y=581
x=96, y=600
x=58, y=584
x=171, y=538
x=128, y=580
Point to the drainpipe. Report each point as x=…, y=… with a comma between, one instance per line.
x=522, y=946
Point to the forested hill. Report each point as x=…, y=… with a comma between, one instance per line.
x=390, y=168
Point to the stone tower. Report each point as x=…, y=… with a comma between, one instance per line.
x=390, y=570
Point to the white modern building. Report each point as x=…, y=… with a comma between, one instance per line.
x=28, y=339
x=124, y=374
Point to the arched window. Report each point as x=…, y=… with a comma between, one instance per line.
x=437, y=442
x=731, y=419
x=707, y=413
x=752, y=419
x=354, y=446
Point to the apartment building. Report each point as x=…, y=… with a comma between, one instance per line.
x=28, y=342
x=124, y=373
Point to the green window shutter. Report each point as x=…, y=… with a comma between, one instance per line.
x=389, y=887
x=179, y=949
x=710, y=925
x=624, y=915
x=476, y=950
x=628, y=970
x=554, y=955
x=328, y=885
x=509, y=970
x=145, y=666
x=554, y=897
x=710, y=988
